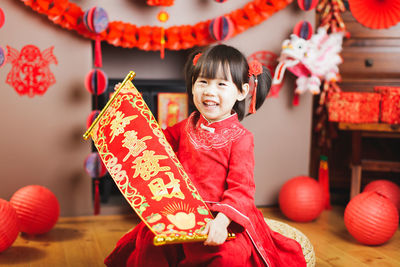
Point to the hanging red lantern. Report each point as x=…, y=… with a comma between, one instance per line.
x=221, y=28
x=371, y=218
x=37, y=209
x=96, y=82
x=96, y=21
x=92, y=116
x=387, y=189
x=94, y=166
x=301, y=199
x=160, y=2
x=220, y=1
x=307, y=5
x=3, y=57
x=303, y=29
x=2, y=18
x=9, y=228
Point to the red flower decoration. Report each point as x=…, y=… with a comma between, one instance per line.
x=160, y=2
x=255, y=68
x=196, y=58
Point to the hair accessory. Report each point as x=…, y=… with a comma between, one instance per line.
x=255, y=68
x=196, y=58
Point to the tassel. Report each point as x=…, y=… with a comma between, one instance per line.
x=96, y=197
x=296, y=99
x=323, y=179
x=162, y=50
x=252, y=108
x=97, y=53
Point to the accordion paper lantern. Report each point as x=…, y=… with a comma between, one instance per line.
x=221, y=28
x=3, y=57
x=371, y=218
x=387, y=189
x=8, y=225
x=303, y=29
x=96, y=82
x=301, y=199
x=37, y=209
x=95, y=19
x=92, y=116
x=94, y=166
x=307, y=5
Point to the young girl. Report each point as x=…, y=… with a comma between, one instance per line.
x=217, y=153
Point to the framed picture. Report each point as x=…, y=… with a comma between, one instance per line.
x=172, y=108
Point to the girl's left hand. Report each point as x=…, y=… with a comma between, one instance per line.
x=217, y=230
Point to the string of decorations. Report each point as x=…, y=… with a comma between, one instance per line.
x=118, y=33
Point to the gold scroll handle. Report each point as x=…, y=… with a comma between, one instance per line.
x=128, y=77
x=163, y=240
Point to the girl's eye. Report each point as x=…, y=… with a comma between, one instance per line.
x=202, y=81
x=222, y=84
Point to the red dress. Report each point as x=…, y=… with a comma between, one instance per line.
x=219, y=159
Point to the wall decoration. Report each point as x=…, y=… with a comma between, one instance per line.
x=268, y=59
x=69, y=15
x=310, y=60
x=2, y=18
x=329, y=15
x=221, y=28
x=160, y=2
x=3, y=57
x=96, y=82
x=172, y=108
x=307, y=5
x=30, y=73
x=376, y=14
x=303, y=29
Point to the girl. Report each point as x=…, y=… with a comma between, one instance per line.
x=217, y=153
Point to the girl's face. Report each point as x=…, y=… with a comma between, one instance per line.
x=215, y=98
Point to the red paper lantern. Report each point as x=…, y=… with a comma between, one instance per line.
x=303, y=29
x=96, y=82
x=3, y=57
x=301, y=199
x=92, y=116
x=386, y=188
x=307, y=5
x=37, y=209
x=9, y=228
x=221, y=28
x=371, y=218
x=2, y=18
x=95, y=19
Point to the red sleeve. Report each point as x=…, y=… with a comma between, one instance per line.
x=173, y=135
x=238, y=198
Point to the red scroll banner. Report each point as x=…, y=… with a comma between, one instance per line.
x=146, y=170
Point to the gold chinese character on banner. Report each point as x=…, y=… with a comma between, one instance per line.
x=135, y=145
x=147, y=165
x=118, y=124
x=160, y=189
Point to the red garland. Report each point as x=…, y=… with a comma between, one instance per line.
x=69, y=15
x=160, y=2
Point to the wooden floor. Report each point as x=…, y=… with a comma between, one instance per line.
x=86, y=241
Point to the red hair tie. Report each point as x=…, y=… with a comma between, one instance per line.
x=255, y=68
x=196, y=58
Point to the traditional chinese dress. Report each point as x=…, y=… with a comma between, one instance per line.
x=219, y=159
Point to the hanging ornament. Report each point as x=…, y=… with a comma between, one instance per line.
x=160, y=2
x=96, y=169
x=329, y=15
x=2, y=18
x=3, y=57
x=162, y=17
x=96, y=21
x=96, y=82
x=92, y=116
x=221, y=28
x=307, y=5
x=220, y=1
x=303, y=29
x=30, y=73
x=376, y=14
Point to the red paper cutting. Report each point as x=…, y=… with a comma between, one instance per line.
x=30, y=73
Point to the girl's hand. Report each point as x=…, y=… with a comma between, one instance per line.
x=117, y=86
x=217, y=230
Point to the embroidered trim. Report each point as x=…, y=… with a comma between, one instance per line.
x=210, y=129
x=204, y=139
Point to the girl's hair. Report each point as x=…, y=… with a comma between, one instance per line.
x=231, y=60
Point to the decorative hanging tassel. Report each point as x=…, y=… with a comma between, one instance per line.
x=255, y=69
x=323, y=179
x=162, y=50
x=296, y=99
x=98, y=62
x=96, y=197
x=252, y=109
x=162, y=17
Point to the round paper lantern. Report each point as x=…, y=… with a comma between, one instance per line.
x=92, y=116
x=3, y=57
x=376, y=14
x=96, y=82
x=307, y=5
x=9, y=229
x=386, y=188
x=37, y=209
x=371, y=218
x=221, y=1
x=2, y=18
x=221, y=28
x=301, y=199
x=95, y=19
x=303, y=29
x=94, y=166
